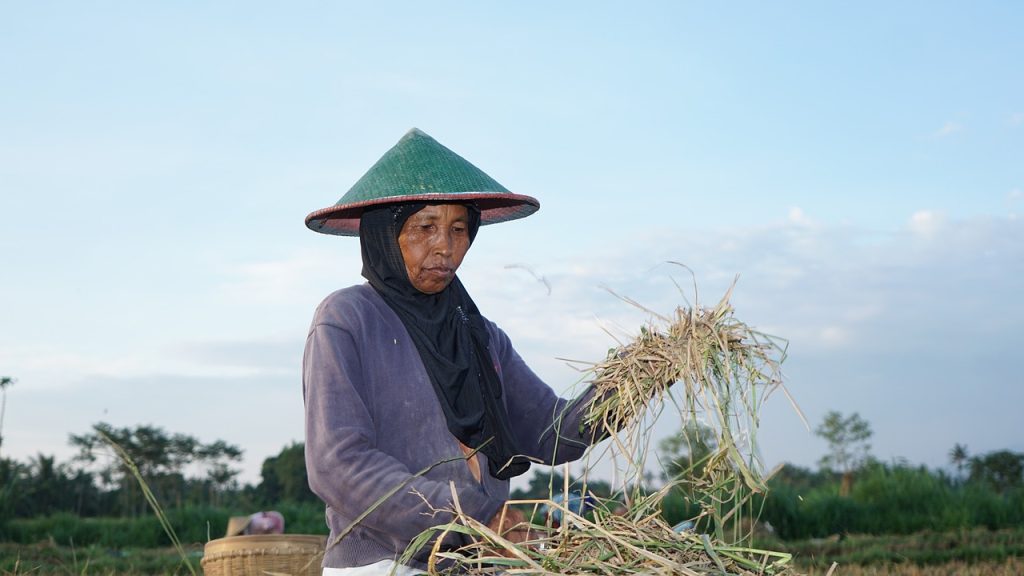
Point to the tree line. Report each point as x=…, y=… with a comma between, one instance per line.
x=179, y=469
x=850, y=492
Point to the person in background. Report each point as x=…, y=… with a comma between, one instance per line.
x=410, y=393
x=266, y=522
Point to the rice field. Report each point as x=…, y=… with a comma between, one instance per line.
x=47, y=558
x=1007, y=567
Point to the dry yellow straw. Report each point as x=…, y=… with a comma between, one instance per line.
x=724, y=368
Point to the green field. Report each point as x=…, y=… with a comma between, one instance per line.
x=50, y=558
x=922, y=549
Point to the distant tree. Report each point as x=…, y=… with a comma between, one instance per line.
x=1002, y=470
x=43, y=486
x=959, y=458
x=85, y=495
x=220, y=476
x=284, y=477
x=46, y=487
x=542, y=484
x=14, y=481
x=5, y=383
x=546, y=483
x=686, y=453
x=798, y=478
x=849, y=450
x=159, y=457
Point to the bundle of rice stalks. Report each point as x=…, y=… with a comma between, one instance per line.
x=718, y=370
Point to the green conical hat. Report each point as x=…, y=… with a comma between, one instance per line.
x=420, y=169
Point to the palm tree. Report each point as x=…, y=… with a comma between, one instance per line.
x=958, y=456
x=5, y=381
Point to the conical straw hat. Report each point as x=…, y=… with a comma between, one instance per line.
x=420, y=169
x=237, y=525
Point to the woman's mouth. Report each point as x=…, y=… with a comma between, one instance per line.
x=439, y=271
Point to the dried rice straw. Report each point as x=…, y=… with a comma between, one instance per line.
x=725, y=368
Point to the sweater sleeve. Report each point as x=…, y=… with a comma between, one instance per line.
x=345, y=468
x=548, y=427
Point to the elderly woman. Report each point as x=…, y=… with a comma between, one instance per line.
x=408, y=389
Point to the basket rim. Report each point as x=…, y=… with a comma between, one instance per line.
x=282, y=542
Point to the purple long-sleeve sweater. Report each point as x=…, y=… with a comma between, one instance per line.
x=373, y=422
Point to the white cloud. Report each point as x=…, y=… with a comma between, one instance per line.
x=948, y=129
x=835, y=335
x=925, y=223
x=797, y=217
x=55, y=369
x=1017, y=118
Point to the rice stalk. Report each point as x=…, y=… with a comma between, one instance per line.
x=154, y=504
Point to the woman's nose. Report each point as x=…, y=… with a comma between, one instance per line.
x=443, y=243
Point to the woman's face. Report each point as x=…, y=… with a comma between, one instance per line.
x=433, y=242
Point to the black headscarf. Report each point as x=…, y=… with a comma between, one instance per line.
x=450, y=336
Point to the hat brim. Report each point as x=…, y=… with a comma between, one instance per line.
x=237, y=525
x=343, y=220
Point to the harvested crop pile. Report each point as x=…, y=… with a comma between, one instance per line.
x=604, y=544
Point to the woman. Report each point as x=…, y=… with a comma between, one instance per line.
x=409, y=391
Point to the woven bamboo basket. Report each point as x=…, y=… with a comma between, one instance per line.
x=260, y=554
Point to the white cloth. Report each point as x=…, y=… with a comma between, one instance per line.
x=382, y=568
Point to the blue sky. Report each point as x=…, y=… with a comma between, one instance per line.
x=859, y=165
